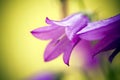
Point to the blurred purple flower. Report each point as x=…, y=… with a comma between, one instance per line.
x=63, y=35
x=107, y=32
x=44, y=76
x=76, y=29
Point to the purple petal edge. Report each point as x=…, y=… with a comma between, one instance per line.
x=100, y=29
x=47, y=32
x=52, y=51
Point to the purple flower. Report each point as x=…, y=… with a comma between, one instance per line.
x=107, y=32
x=43, y=76
x=62, y=34
x=76, y=31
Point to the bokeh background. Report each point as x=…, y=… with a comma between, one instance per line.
x=21, y=54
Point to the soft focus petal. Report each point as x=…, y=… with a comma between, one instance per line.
x=112, y=45
x=78, y=25
x=72, y=23
x=117, y=50
x=83, y=49
x=93, y=35
x=100, y=29
x=68, y=50
x=55, y=48
x=68, y=21
x=103, y=44
x=48, y=32
x=100, y=24
x=43, y=76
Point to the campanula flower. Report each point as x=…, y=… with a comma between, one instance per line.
x=77, y=29
x=62, y=34
x=107, y=32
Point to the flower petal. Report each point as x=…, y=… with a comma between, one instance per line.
x=78, y=25
x=48, y=32
x=114, y=54
x=72, y=23
x=68, y=49
x=112, y=45
x=93, y=35
x=83, y=49
x=67, y=52
x=68, y=21
x=102, y=23
x=103, y=44
x=55, y=48
x=100, y=29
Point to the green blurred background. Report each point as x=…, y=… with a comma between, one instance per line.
x=21, y=54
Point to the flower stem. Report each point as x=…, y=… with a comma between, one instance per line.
x=64, y=7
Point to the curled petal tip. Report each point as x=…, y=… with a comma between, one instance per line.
x=67, y=64
x=46, y=60
x=47, y=20
x=113, y=55
x=32, y=32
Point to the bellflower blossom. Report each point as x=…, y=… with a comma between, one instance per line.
x=62, y=34
x=76, y=29
x=107, y=32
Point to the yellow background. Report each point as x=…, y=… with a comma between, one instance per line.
x=22, y=54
